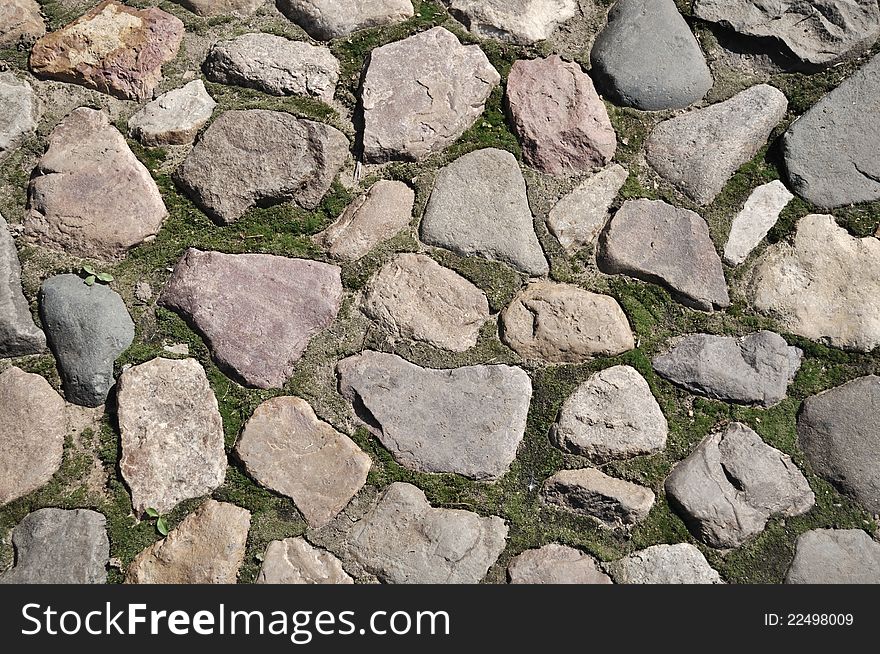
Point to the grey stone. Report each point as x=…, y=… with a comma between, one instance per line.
x=578, y=218
x=19, y=336
x=757, y=217
x=19, y=112
x=294, y=561
x=413, y=111
x=752, y=369
x=664, y=564
x=521, y=22
x=20, y=20
x=646, y=57
x=839, y=432
x=258, y=312
x=831, y=151
x=590, y=492
x=468, y=420
x=172, y=434
x=87, y=327
x=55, y=546
x=555, y=564
x=330, y=19
x=699, y=151
x=272, y=156
x=479, y=207
x=211, y=8
x=835, y=556
x=679, y=255
x=413, y=296
x=612, y=415
x=175, y=117
x=731, y=485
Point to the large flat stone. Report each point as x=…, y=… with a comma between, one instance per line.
x=555, y=564
x=294, y=561
x=19, y=336
x=835, y=556
x=175, y=117
x=590, y=492
x=330, y=19
x=521, y=22
x=20, y=20
x=19, y=112
x=664, y=564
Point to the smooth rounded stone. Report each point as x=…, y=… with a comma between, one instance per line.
x=521, y=22
x=479, y=207
x=555, y=564
x=175, y=117
x=468, y=420
x=208, y=547
x=20, y=20
x=19, y=112
x=273, y=157
x=376, y=216
x=646, y=57
x=831, y=151
x=561, y=121
x=412, y=111
x=823, y=287
x=286, y=448
x=699, y=151
x=404, y=540
x=681, y=563
x=612, y=415
x=731, y=485
x=839, y=431
x=257, y=312
x=590, y=492
x=752, y=369
x=57, y=546
x=330, y=19
x=294, y=561
x=579, y=217
x=172, y=433
x=32, y=416
x=19, y=336
x=87, y=327
x=211, y=8
x=113, y=48
x=756, y=219
x=680, y=256
x=89, y=196
x=563, y=323
x=835, y=556
x=275, y=65
x=818, y=33
x=414, y=297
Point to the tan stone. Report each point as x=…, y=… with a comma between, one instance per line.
x=294, y=561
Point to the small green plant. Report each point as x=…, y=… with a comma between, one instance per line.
x=91, y=276
x=161, y=523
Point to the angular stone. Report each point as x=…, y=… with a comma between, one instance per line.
x=89, y=195
x=732, y=484
x=172, y=434
x=211, y=8
x=20, y=20
x=816, y=32
x=679, y=255
x=563, y=323
x=646, y=57
x=88, y=327
x=258, y=312
x=521, y=22
x=32, y=433
x=839, y=431
x=468, y=420
x=175, y=117
x=699, y=151
x=824, y=286
x=479, y=207
x=330, y=19
x=19, y=336
x=294, y=561
x=413, y=111
x=414, y=297
x=374, y=217
x=579, y=217
x=612, y=415
x=757, y=217
x=286, y=448
x=613, y=502
x=835, y=556
x=206, y=548
x=19, y=112
x=272, y=156
x=831, y=151
x=753, y=369
x=113, y=48
x=275, y=65
x=561, y=121
x=681, y=563
x=555, y=564
x=54, y=546
x=404, y=540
